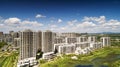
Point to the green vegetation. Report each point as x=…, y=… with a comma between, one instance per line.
x=2, y=44
x=39, y=54
x=114, y=36
x=8, y=59
x=116, y=64
x=108, y=56
x=115, y=44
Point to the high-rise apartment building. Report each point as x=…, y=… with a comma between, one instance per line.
x=39, y=40
x=47, y=41
x=1, y=34
x=30, y=42
x=27, y=44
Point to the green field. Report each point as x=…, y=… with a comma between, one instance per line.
x=8, y=59
x=108, y=56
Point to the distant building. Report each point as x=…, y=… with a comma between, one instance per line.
x=105, y=41
x=82, y=45
x=1, y=34
x=92, y=39
x=71, y=34
x=82, y=39
x=16, y=42
x=1, y=37
x=11, y=32
x=70, y=40
x=7, y=38
x=95, y=45
x=58, y=40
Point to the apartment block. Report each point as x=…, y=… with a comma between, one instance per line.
x=28, y=47
x=105, y=41
x=47, y=41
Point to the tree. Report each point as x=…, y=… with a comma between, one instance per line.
x=39, y=54
x=56, y=51
x=3, y=44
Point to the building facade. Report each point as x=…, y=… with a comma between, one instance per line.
x=28, y=48
x=71, y=34
x=47, y=41
x=67, y=49
x=39, y=40
x=27, y=44
x=105, y=41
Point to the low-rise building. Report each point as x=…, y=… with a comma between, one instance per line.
x=27, y=62
x=48, y=55
x=67, y=49
x=92, y=39
x=82, y=39
x=82, y=44
x=105, y=41
x=70, y=40
x=59, y=40
x=96, y=45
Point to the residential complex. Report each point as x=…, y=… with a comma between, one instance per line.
x=30, y=42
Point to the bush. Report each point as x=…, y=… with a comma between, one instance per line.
x=3, y=44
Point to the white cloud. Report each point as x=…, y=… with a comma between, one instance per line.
x=71, y=23
x=13, y=20
x=92, y=24
x=1, y=25
x=40, y=16
x=100, y=19
x=16, y=24
x=112, y=23
x=87, y=24
x=53, y=26
x=63, y=28
x=59, y=20
x=31, y=23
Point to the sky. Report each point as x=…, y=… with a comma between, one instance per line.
x=92, y=16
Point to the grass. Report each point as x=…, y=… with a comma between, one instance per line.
x=104, y=56
x=9, y=59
